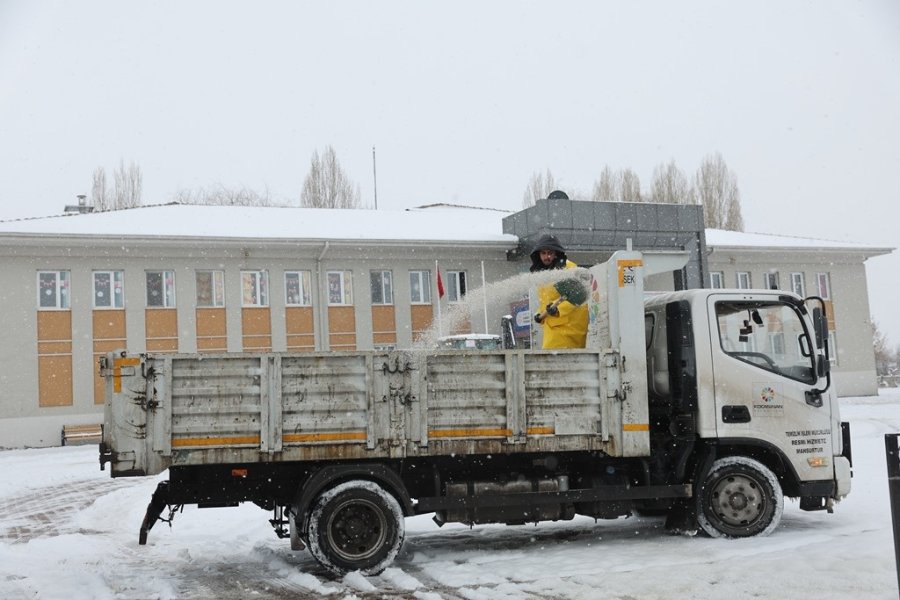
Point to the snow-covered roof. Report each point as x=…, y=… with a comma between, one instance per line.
x=719, y=238
x=253, y=222
x=430, y=223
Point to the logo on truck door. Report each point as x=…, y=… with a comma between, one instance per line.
x=767, y=400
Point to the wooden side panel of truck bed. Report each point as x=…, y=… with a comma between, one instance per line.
x=165, y=410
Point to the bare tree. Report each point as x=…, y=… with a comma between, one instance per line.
x=220, y=195
x=716, y=189
x=100, y=197
x=883, y=355
x=539, y=187
x=670, y=185
x=326, y=185
x=629, y=186
x=605, y=187
x=623, y=185
x=129, y=183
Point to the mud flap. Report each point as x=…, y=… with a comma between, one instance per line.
x=682, y=517
x=158, y=502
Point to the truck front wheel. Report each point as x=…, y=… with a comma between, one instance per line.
x=356, y=525
x=740, y=497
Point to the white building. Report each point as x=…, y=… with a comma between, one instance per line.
x=230, y=279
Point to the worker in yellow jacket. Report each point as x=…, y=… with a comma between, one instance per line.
x=565, y=325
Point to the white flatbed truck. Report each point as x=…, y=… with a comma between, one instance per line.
x=707, y=405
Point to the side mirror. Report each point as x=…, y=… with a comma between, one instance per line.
x=820, y=324
x=823, y=366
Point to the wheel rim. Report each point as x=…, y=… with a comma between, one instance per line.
x=737, y=500
x=357, y=529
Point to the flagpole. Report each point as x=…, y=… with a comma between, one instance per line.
x=484, y=297
x=437, y=275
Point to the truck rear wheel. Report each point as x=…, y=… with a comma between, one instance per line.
x=740, y=497
x=355, y=526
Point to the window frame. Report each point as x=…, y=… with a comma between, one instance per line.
x=62, y=290
x=424, y=287
x=770, y=277
x=456, y=286
x=720, y=275
x=304, y=288
x=259, y=290
x=386, y=286
x=798, y=278
x=116, y=282
x=217, y=288
x=779, y=364
x=344, y=289
x=826, y=295
x=168, y=288
x=737, y=280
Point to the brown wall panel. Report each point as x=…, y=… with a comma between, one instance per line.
x=55, y=380
x=341, y=328
x=212, y=344
x=162, y=345
x=256, y=329
x=211, y=330
x=109, y=324
x=384, y=325
x=299, y=327
x=420, y=319
x=54, y=346
x=109, y=335
x=54, y=325
x=161, y=323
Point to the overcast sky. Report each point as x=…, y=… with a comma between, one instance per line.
x=464, y=101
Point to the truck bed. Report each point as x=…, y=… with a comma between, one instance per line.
x=191, y=409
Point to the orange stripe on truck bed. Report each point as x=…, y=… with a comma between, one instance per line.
x=636, y=427
x=235, y=440
x=338, y=436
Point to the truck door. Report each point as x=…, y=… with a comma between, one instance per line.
x=763, y=369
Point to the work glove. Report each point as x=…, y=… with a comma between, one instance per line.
x=538, y=318
x=552, y=310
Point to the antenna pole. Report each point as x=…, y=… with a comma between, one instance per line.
x=374, y=178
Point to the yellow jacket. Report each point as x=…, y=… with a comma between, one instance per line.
x=569, y=328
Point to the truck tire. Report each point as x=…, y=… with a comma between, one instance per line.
x=355, y=526
x=740, y=497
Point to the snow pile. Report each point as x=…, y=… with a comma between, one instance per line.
x=69, y=531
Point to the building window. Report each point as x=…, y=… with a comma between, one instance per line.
x=297, y=288
x=456, y=286
x=210, y=289
x=254, y=288
x=717, y=280
x=53, y=289
x=420, y=287
x=771, y=280
x=340, y=288
x=832, y=349
x=161, y=289
x=382, y=287
x=797, y=285
x=109, y=289
x=743, y=280
x=824, y=284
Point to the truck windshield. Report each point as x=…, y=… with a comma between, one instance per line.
x=768, y=335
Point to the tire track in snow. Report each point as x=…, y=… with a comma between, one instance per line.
x=49, y=511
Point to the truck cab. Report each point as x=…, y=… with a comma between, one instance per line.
x=746, y=373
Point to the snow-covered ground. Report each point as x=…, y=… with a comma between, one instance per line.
x=69, y=531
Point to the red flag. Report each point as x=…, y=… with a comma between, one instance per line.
x=440, y=284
